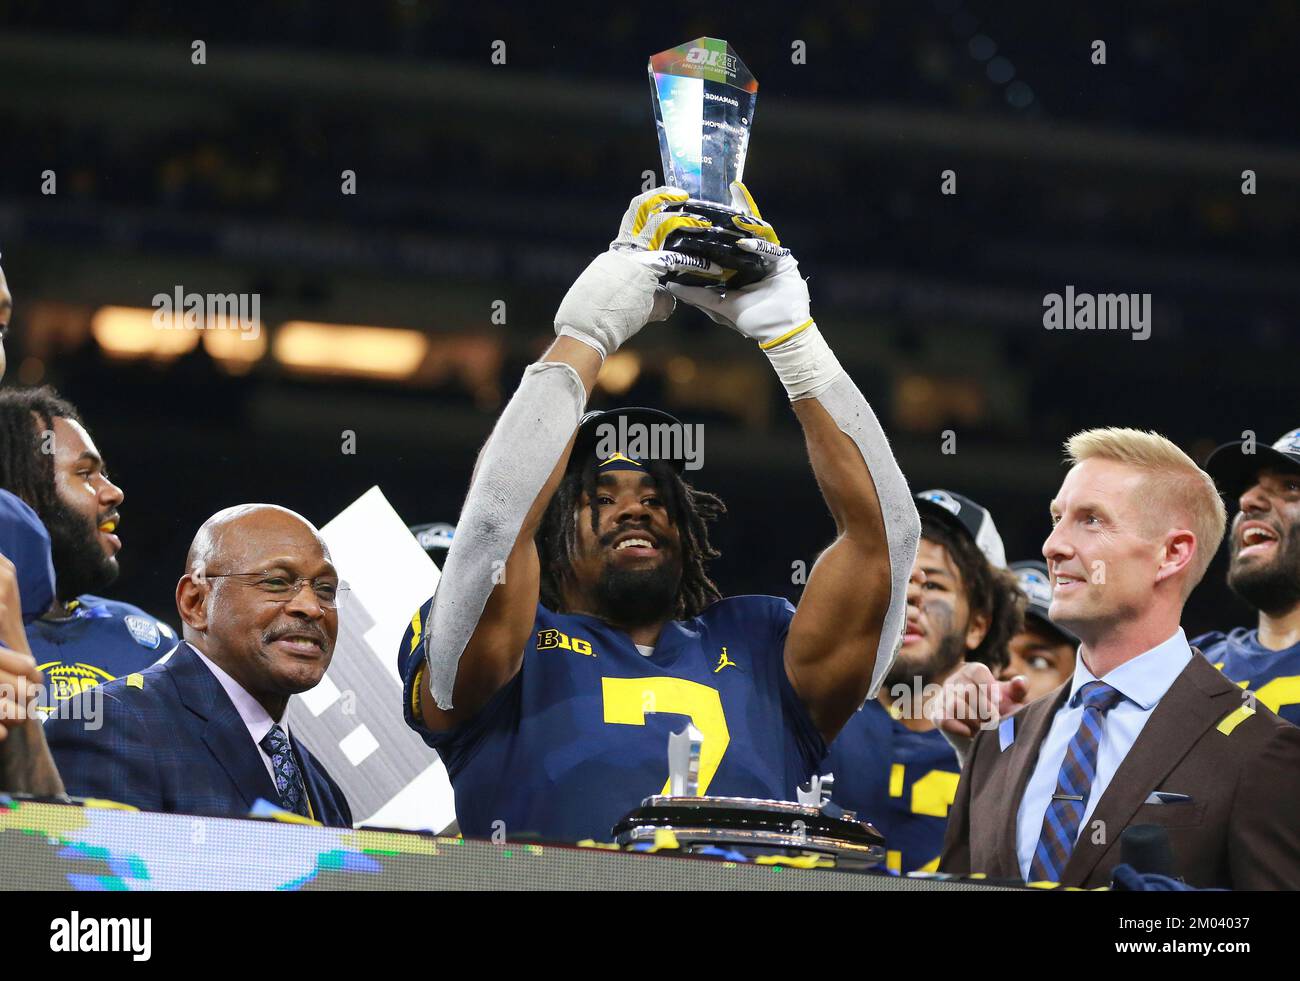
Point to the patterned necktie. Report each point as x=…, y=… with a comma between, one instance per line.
x=288, y=778
x=1065, y=810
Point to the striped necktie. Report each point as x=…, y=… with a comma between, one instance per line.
x=288, y=778
x=1073, y=785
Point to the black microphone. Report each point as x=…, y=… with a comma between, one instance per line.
x=1147, y=849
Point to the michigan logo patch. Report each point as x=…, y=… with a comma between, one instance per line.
x=144, y=631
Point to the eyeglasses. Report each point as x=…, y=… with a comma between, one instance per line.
x=328, y=592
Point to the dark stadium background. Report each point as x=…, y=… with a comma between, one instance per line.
x=480, y=182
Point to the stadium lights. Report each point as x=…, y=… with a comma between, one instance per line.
x=619, y=372
x=347, y=349
x=128, y=333
x=236, y=351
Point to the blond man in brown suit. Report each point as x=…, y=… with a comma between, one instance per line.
x=1146, y=731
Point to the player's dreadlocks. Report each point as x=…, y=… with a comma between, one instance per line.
x=690, y=509
x=26, y=463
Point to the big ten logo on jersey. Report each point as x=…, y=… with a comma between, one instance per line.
x=67, y=681
x=551, y=639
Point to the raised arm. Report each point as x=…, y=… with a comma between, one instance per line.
x=496, y=646
x=835, y=637
x=851, y=615
x=487, y=598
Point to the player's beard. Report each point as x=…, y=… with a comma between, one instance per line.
x=1273, y=587
x=949, y=652
x=635, y=597
x=80, y=565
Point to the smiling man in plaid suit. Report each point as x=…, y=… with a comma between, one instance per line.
x=203, y=731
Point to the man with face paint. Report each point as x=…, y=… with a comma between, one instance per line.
x=204, y=732
x=48, y=458
x=1264, y=570
x=891, y=764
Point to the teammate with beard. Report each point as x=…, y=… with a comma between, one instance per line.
x=83, y=639
x=602, y=633
x=892, y=765
x=1264, y=570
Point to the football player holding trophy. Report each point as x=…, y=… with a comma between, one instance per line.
x=575, y=627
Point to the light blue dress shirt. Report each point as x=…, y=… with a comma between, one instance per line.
x=1142, y=681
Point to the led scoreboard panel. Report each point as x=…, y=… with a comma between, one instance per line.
x=67, y=847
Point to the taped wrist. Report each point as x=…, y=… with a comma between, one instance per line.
x=803, y=361
x=608, y=303
x=587, y=339
x=519, y=456
x=851, y=413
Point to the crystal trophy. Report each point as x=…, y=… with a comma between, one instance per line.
x=704, y=98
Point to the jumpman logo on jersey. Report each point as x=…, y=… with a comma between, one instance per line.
x=724, y=662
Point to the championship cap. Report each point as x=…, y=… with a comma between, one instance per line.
x=1036, y=583
x=1234, y=470
x=960, y=512
x=625, y=439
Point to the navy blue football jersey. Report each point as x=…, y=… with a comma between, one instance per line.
x=1274, y=676
x=903, y=782
x=25, y=542
x=102, y=639
x=579, y=736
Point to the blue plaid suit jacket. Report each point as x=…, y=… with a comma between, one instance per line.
x=174, y=742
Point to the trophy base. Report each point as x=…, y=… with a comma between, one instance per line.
x=738, y=268
x=757, y=828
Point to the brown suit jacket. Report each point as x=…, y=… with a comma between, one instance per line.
x=1241, y=829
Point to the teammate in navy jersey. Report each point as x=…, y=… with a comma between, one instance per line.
x=1263, y=569
x=91, y=640
x=892, y=765
x=49, y=460
x=602, y=632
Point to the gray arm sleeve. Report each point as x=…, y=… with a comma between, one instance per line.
x=847, y=406
x=520, y=455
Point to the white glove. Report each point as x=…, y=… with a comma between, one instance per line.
x=646, y=225
x=764, y=311
x=774, y=312
x=619, y=292
x=616, y=295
